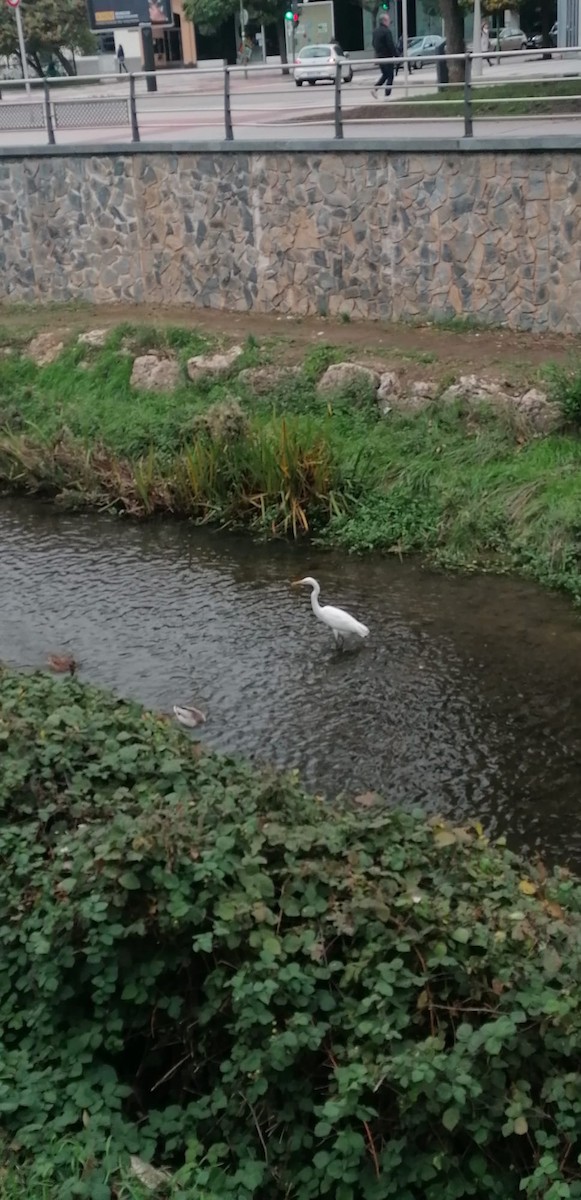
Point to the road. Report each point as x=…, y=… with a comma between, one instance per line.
x=189, y=106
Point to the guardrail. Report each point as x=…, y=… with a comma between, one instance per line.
x=220, y=102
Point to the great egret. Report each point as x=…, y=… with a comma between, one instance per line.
x=190, y=717
x=339, y=621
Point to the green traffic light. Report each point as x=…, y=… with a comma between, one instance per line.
x=288, y=16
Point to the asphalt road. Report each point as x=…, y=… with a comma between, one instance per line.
x=265, y=105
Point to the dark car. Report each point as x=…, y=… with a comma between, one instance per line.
x=535, y=40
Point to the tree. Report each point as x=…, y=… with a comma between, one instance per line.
x=209, y=15
x=453, y=16
x=370, y=6
x=50, y=28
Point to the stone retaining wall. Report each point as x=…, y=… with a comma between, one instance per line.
x=492, y=235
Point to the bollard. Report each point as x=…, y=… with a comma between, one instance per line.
x=133, y=111
x=467, y=97
x=338, y=109
x=227, y=109
x=48, y=115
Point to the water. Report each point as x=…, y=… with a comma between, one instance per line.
x=464, y=700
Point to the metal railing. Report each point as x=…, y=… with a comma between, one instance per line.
x=231, y=102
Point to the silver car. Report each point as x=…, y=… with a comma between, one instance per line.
x=320, y=62
x=508, y=39
x=423, y=50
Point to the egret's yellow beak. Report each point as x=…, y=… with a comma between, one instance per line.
x=296, y=582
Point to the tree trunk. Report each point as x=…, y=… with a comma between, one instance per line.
x=65, y=63
x=281, y=35
x=547, y=13
x=454, y=33
x=34, y=62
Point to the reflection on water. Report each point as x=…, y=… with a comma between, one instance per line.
x=465, y=699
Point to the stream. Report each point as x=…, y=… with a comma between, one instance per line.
x=465, y=700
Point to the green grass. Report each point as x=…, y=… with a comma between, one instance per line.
x=61, y=1173
x=464, y=488
x=502, y=99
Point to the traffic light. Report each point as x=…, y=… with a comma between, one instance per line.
x=292, y=14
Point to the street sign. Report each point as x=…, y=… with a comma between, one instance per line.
x=244, y=15
x=111, y=14
x=13, y=3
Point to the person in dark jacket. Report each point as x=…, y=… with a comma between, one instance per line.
x=384, y=47
x=121, y=65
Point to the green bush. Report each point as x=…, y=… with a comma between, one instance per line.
x=566, y=390
x=204, y=966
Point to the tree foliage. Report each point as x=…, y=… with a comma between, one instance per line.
x=210, y=14
x=276, y=999
x=50, y=27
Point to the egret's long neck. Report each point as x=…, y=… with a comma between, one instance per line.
x=315, y=593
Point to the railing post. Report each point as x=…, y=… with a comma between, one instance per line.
x=467, y=97
x=227, y=109
x=338, y=109
x=48, y=115
x=133, y=111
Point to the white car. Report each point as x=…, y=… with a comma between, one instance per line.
x=320, y=62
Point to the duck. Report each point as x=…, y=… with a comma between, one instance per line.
x=61, y=663
x=189, y=716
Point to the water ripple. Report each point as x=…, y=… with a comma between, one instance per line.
x=465, y=699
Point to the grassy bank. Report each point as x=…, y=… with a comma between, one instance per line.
x=559, y=98
x=466, y=487
x=207, y=968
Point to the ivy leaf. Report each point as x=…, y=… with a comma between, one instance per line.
x=461, y=935
x=450, y=1118
x=271, y=945
x=444, y=837
x=203, y=942
x=552, y=962
x=129, y=881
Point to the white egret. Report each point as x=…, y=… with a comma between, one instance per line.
x=340, y=622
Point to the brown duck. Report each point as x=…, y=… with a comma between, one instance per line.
x=61, y=663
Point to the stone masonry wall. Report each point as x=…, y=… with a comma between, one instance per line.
x=491, y=235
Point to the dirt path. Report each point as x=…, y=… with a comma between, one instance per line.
x=449, y=346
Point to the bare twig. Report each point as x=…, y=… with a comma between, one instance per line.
x=258, y=1129
x=171, y=1071
x=372, y=1149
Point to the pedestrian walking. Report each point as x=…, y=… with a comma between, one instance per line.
x=384, y=47
x=485, y=41
x=121, y=65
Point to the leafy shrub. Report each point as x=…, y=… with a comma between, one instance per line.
x=225, y=421
x=280, y=475
x=318, y=358
x=205, y=966
x=566, y=390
